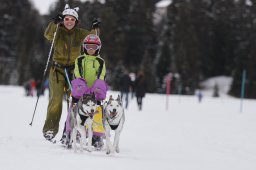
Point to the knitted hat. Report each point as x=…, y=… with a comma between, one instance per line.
x=69, y=11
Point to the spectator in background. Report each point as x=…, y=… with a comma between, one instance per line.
x=132, y=76
x=125, y=86
x=200, y=96
x=33, y=87
x=46, y=86
x=27, y=87
x=39, y=91
x=140, y=88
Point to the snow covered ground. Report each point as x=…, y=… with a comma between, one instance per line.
x=212, y=135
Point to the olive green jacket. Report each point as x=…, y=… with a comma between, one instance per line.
x=90, y=68
x=67, y=43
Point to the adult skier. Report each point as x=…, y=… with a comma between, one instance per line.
x=67, y=47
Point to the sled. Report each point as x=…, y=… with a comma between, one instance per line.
x=97, y=126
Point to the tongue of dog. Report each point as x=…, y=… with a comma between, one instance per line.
x=92, y=113
x=113, y=114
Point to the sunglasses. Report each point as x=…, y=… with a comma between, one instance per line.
x=91, y=46
x=69, y=19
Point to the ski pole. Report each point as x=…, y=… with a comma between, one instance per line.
x=66, y=73
x=46, y=68
x=97, y=31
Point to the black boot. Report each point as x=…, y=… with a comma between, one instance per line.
x=97, y=142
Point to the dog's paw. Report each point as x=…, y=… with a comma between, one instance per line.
x=108, y=152
x=69, y=146
x=75, y=150
x=81, y=149
x=117, y=150
x=89, y=148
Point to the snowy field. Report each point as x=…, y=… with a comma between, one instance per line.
x=212, y=135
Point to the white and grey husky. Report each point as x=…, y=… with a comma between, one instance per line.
x=114, y=119
x=82, y=120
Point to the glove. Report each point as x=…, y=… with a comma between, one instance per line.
x=79, y=87
x=100, y=88
x=95, y=23
x=59, y=18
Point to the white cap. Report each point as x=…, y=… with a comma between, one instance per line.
x=69, y=11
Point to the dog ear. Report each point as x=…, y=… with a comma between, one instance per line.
x=119, y=99
x=83, y=98
x=110, y=97
x=93, y=96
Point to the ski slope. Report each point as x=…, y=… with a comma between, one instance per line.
x=212, y=135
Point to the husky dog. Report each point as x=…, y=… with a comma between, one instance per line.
x=81, y=121
x=113, y=120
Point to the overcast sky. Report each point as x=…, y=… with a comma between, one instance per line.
x=43, y=6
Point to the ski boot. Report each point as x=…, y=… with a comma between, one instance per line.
x=97, y=142
x=65, y=141
x=49, y=136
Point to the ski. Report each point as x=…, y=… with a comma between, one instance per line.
x=52, y=140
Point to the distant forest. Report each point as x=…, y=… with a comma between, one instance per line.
x=194, y=40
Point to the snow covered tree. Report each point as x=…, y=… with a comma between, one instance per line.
x=17, y=42
x=245, y=39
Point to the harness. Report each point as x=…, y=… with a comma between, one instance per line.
x=113, y=127
x=83, y=118
x=57, y=67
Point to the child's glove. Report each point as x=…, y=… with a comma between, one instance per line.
x=79, y=87
x=100, y=88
